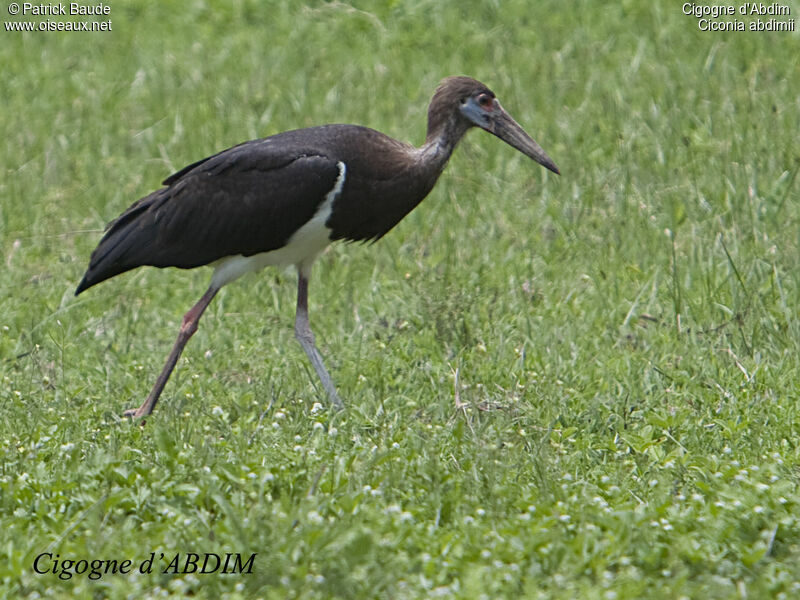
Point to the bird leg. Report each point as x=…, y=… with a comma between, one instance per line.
x=304, y=335
x=188, y=327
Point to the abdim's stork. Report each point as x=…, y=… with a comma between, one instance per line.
x=281, y=200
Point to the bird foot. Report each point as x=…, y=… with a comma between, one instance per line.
x=133, y=414
x=336, y=401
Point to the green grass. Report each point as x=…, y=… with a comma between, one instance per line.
x=624, y=337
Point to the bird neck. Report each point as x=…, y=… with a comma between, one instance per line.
x=442, y=139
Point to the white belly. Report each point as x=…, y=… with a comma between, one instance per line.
x=301, y=250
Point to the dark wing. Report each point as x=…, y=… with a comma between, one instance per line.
x=245, y=200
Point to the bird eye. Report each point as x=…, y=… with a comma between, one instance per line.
x=485, y=100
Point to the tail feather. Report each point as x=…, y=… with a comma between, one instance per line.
x=117, y=251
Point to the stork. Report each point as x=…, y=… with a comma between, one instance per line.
x=283, y=199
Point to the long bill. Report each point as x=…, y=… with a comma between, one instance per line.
x=507, y=129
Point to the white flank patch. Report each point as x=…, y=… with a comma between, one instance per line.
x=302, y=248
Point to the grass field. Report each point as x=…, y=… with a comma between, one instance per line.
x=624, y=338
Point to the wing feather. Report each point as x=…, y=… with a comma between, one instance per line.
x=245, y=200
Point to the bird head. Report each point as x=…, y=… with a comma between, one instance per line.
x=478, y=106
